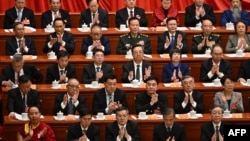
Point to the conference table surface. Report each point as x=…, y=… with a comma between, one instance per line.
x=192, y=126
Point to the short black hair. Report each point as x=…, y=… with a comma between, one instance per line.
x=240, y=21
x=152, y=78
x=83, y=111
x=170, y=19
x=133, y=18
x=62, y=53
x=112, y=76
x=168, y=111
x=24, y=79
x=174, y=50
x=121, y=109
x=217, y=106
x=58, y=19
x=34, y=107
x=97, y=50
x=95, y=25
x=137, y=45
x=225, y=77
x=207, y=19
x=88, y=1
x=16, y=24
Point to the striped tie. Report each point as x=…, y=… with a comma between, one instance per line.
x=70, y=107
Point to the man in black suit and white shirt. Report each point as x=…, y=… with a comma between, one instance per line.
x=109, y=98
x=123, y=15
x=20, y=43
x=198, y=11
x=55, y=12
x=94, y=15
x=19, y=13
x=84, y=130
x=138, y=68
x=60, y=39
x=97, y=70
x=122, y=129
x=61, y=71
x=70, y=102
x=16, y=69
x=169, y=130
x=22, y=97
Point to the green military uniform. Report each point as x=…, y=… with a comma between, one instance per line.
x=127, y=41
x=197, y=39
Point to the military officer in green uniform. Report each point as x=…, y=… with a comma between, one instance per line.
x=205, y=40
x=133, y=37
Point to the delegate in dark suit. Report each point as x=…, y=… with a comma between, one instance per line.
x=75, y=132
x=207, y=131
x=126, y=41
x=112, y=130
x=28, y=69
x=10, y=17
x=100, y=101
x=52, y=72
x=227, y=17
x=68, y=38
x=179, y=98
x=89, y=73
x=244, y=70
x=197, y=39
x=142, y=103
x=16, y=103
x=86, y=18
x=169, y=68
x=162, y=40
x=225, y=68
x=59, y=99
x=121, y=16
x=47, y=18
x=232, y=43
x=88, y=41
x=190, y=19
x=161, y=134
x=12, y=45
x=127, y=67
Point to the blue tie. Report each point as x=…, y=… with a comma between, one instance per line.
x=172, y=42
x=19, y=15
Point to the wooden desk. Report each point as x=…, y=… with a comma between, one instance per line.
x=192, y=126
x=47, y=95
x=40, y=37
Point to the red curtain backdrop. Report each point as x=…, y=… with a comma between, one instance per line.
x=112, y=5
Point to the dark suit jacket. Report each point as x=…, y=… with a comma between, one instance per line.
x=127, y=67
x=243, y=70
x=142, y=103
x=47, y=18
x=161, y=134
x=88, y=41
x=179, y=98
x=162, y=40
x=190, y=19
x=28, y=69
x=11, y=15
x=225, y=67
x=122, y=16
x=59, y=99
x=100, y=102
x=12, y=45
x=86, y=18
x=53, y=72
x=75, y=132
x=169, y=68
x=68, y=38
x=112, y=130
x=207, y=131
x=89, y=73
x=16, y=103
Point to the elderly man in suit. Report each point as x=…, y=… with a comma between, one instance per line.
x=96, y=41
x=215, y=67
x=172, y=38
x=55, y=12
x=84, y=130
x=123, y=15
x=70, y=102
x=198, y=11
x=94, y=15
x=20, y=43
x=97, y=70
x=109, y=98
x=19, y=13
x=61, y=71
x=137, y=68
x=17, y=68
x=122, y=129
x=22, y=97
x=60, y=39
x=169, y=130
x=188, y=99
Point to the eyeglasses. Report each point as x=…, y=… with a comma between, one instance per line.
x=74, y=86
